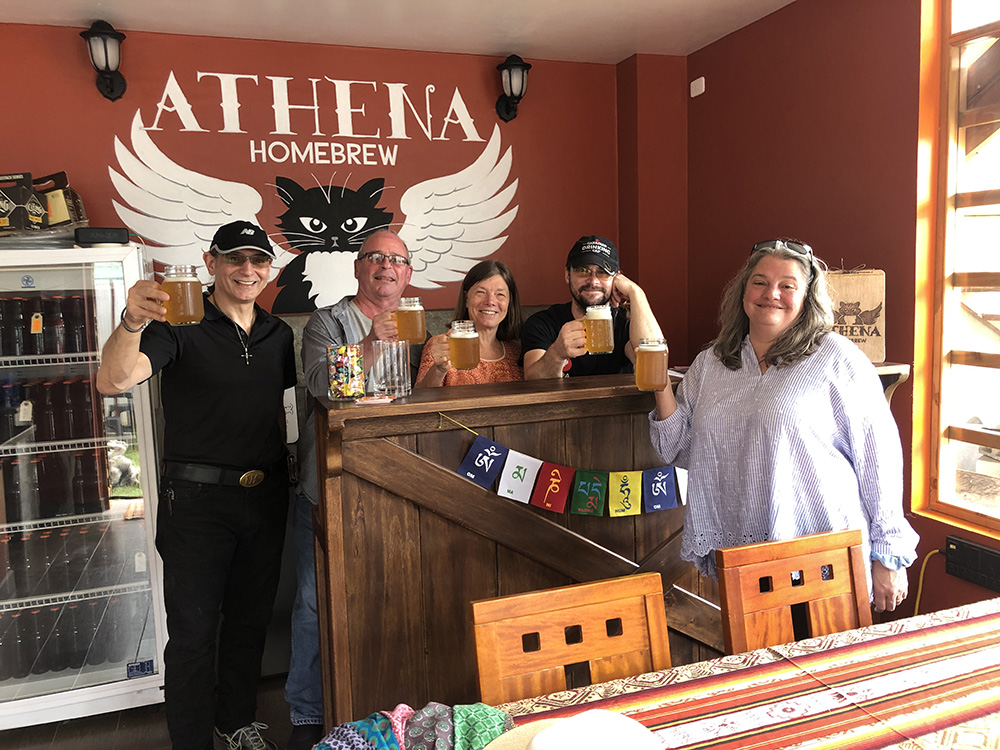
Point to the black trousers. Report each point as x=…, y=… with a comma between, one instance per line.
x=221, y=550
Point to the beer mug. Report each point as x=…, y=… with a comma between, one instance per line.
x=410, y=322
x=463, y=345
x=600, y=333
x=186, y=307
x=390, y=372
x=651, y=365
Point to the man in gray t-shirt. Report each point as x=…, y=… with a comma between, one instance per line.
x=383, y=271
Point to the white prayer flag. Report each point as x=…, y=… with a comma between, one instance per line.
x=518, y=476
x=682, y=484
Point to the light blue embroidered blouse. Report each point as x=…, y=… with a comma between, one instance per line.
x=796, y=450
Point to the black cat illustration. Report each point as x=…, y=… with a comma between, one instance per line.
x=326, y=225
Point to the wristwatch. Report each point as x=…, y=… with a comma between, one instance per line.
x=140, y=329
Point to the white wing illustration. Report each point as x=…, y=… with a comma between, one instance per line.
x=453, y=222
x=177, y=208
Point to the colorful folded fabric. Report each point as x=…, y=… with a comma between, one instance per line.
x=477, y=725
x=430, y=728
x=343, y=737
x=397, y=719
x=377, y=729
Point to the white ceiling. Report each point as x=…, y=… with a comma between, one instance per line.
x=600, y=31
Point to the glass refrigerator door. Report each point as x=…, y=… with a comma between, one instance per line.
x=80, y=606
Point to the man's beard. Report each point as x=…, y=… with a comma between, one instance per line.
x=584, y=304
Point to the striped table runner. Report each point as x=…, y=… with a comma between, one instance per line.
x=927, y=682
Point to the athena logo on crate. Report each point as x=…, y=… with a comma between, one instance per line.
x=27, y=281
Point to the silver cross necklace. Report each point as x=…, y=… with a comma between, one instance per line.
x=245, y=344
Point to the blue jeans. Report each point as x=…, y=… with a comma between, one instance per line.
x=304, y=687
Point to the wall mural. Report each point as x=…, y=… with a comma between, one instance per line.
x=449, y=222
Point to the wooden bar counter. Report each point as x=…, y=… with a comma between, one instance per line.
x=404, y=543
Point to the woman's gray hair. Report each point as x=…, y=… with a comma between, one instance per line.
x=804, y=335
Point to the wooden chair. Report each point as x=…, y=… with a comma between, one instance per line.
x=779, y=592
x=545, y=641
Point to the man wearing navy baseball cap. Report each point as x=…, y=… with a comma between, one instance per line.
x=554, y=340
x=224, y=488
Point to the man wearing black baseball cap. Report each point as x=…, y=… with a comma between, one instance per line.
x=554, y=341
x=224, y=488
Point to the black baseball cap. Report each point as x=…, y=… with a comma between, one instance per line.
x=594, y=249
x=241, y=235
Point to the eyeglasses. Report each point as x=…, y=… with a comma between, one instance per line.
x=794, y=245
x=238, y=259
x=376, y=259
x=584, y=272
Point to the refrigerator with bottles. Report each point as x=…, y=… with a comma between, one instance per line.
x=81, y=614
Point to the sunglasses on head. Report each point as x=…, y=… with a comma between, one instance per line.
x=794, y=245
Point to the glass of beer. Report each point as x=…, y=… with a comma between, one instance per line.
x=651, y=365
x=185, y=306
x=410, y=322
x=463, y=345
x=597, y=324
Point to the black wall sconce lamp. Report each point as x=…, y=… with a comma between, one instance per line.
x=105, y=46
x=514, y=77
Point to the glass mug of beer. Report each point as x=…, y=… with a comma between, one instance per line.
x=651, y=365
x=597, y=324
x=410, y=322
x=186, y=307
x=463, y=345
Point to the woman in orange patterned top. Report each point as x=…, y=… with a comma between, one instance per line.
x=489, y=299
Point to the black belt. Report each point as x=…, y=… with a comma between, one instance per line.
x=204, y=474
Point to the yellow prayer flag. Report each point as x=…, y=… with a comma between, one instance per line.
x=624, y=493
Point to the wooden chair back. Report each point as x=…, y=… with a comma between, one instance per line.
x=779, y=592
x=527, y=644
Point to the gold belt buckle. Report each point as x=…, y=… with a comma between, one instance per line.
x=252, y=478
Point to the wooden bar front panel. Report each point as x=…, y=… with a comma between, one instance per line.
x=415, y=542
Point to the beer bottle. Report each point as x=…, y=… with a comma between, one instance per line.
x=7, y=653
x=97, y=653
x=8, y=413
x=34, y=337
x=76, y=323
x=77, y=647
x=65, y=414
x=14, y=332
x=39, y=632
x=21, y=645
x=12, y=489
x=83, y=408
x=30, y=503
x=79, y=485
x=44, y=413
x=62, y=644
x=54, y=327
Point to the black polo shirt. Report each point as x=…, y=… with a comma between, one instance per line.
x=541, y=330
x=218, y=409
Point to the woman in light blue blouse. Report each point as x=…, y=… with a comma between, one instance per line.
x=784, y=426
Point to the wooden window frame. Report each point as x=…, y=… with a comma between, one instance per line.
x=939, y=131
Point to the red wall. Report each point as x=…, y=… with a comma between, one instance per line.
x=564, y=139
x=652, y=189
x=808, y=128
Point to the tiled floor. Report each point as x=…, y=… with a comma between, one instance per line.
x=141, y=728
